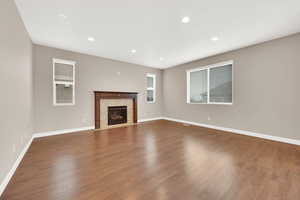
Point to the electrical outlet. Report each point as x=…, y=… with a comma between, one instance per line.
x=208, y=118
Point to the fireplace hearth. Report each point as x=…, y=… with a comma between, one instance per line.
x=117, y=115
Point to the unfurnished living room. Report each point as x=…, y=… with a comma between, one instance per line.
x=149, y=100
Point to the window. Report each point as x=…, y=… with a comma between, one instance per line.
x=211, y=84
x=151, y=82
x=63, y=82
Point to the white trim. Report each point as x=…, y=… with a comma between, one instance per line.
x=208, y=86
x=188, y=87
x=208, y=67
x=14, y=167
x=63, y=131
x=151, y=88
x=149, y=119
x=64, y=104
x=237, y=131
x=67, y=62
x=226, y=104
x=64, y=82
x=220, y=64
x=62, y=61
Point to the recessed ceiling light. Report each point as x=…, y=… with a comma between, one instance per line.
x=214, y=39
x=185, y=20
x=133, y=51
x=91, y=39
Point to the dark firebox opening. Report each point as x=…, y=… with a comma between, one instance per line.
x=117, y=115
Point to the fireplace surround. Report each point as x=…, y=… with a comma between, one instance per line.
x=106, y=99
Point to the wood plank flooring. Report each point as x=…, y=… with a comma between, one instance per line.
x=159, y=160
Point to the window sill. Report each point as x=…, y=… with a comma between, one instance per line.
x=64, y=104
x=227, y=104
x=150, y=102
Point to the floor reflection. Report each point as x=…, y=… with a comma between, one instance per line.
x=64, y=179
x=218, y=167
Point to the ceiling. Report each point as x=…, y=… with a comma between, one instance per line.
x=154, y=28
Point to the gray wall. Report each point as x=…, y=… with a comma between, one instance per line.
x=15, y=86
x=92, y=73
x=266, y=90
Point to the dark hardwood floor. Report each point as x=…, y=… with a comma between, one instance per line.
x=157, y=160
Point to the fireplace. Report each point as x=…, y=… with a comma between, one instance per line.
x=115, y=109
x=117, y=115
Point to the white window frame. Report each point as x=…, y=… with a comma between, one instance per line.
x=151, y=88
x=208, y=67
x=66, y=62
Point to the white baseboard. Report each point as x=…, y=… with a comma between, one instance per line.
x=64, y=131
x=14, y=167
x=242, y=132
x=150, y=119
